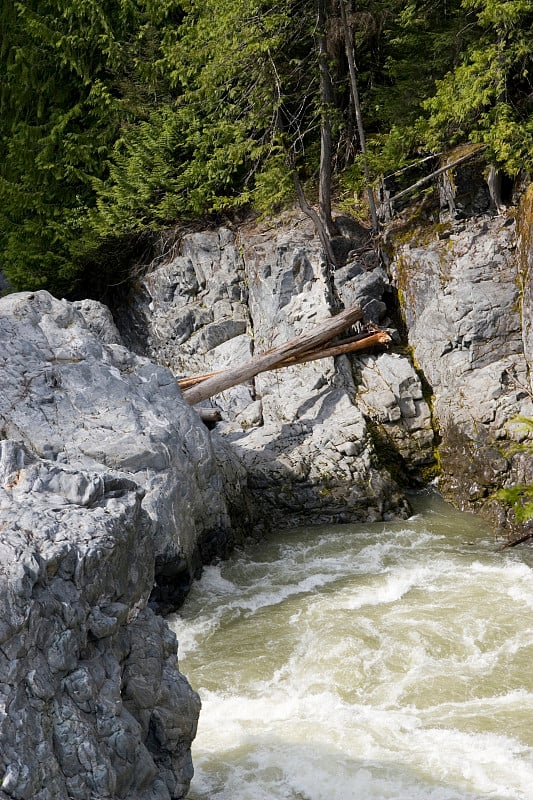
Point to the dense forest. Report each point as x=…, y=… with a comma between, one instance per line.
x=121, y=117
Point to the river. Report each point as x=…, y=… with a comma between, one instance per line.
x=388, y=661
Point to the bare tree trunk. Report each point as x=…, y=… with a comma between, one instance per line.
x=326, y=100
x=316, y=219
x=358, y=115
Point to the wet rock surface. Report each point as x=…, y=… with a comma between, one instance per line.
x=71, y=398
x=108, y=484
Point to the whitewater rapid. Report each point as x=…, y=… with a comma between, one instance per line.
x=375, y=662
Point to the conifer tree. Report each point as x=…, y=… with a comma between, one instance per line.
x=488, y=97
x=121, y=116
x=259, y=101
x=73, y=78
x=220, y=142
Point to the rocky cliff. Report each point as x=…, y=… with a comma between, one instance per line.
x=108, y=482
x=309, y=436
x=466, y=292
x=337, y=440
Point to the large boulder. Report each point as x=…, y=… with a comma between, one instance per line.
x=109, y=495
x=73, y=399
x=91, y=700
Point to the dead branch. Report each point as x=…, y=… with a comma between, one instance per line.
x=519, y=540
x=435, y=174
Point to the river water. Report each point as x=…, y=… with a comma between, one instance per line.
x=365, y=662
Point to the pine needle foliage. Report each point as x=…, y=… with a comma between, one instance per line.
x=122, y=116
x=201, y=152
x=488, y=97
x=75, y=76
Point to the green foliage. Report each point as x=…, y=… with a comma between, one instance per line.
x=75, y=77
x=520, y=497
x=273, y=184
x=217, y=146
x=400, y=48
x=487, y=97
x=119, y=117
x=419, y=41
x=166, y=168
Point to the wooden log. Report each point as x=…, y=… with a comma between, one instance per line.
x=323, y=333
x=410, y=166
x=352, y=345
x=187, y=383
x=342, y=348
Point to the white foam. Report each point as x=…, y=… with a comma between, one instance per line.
x=374, y=666
x=325, y=750
x=191, y=633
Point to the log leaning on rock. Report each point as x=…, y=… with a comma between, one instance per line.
x=308, y=347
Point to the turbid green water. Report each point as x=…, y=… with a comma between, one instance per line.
x=375, y=662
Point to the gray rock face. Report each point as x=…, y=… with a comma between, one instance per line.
x=525, y=266
x=464, y=312
x=74, y=400
x=91, y=702
x=466, y=296
x=190, y=313
x=108, y=481
x=99, y=320
x=302, y=432
x=393, y=396
x=366, y=288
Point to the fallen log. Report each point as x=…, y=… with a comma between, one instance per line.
x=187, y=383
x=298, y=350
x=352, y=345
x=519, y=540
x=373, y=339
